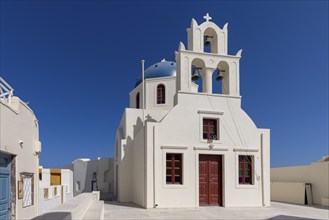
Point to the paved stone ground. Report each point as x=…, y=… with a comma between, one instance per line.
x=115, y=210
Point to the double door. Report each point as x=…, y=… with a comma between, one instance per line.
x=210, y=180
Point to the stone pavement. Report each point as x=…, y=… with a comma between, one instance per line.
x=115, y=210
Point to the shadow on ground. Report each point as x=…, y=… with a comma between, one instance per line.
x=287, y=217
x=123, y=204
x=54, y=216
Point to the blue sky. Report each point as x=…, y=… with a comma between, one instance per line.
x=76, y=61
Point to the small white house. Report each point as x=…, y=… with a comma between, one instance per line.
x=19, y=157
x=55, y=188
x=92, y=175
x=182, y=145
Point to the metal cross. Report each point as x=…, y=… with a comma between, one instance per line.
x=207, y=17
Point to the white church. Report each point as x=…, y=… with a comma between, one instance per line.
x=180, y=144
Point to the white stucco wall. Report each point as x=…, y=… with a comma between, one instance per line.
x=290, y=192
x=105, y=177
x=64, y=191
x=45, y=182
x=52, y=201
x=18, y=123
x=83, y=170
x=138, y=169
x=130, y=126
x=181, y=127
x=151, y=92
x=316, y=173
x=67, y=182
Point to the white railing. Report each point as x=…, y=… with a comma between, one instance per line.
x=6, y=91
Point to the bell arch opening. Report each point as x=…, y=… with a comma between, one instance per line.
x=210, y=40
x=197, y=67
x=222, y=78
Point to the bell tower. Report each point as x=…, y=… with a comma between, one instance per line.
x=207, y=54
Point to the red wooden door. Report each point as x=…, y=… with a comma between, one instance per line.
x=210, y=180
x=203, y=180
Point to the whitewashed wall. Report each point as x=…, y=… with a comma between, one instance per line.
x=316, y=173
x=53, y=200
x=83, y=170
x=18, y=123
x=181, y=127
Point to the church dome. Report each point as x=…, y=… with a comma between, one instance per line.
x=157, y=70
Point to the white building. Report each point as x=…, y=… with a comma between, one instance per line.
x=191, y=147
x=19, y=157
x=55, y=188
x=290, y=184
x=92, y=175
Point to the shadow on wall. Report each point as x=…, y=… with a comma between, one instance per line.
x=125, y=174
x=288, y=217
x=124, y=165
x=150, y=119
x=54, y=215
x=89, y=177
x=138, y=126
x=139, y=123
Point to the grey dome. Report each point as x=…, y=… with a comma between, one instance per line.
x=157, y=70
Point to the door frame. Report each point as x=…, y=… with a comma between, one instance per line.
x=197, y=185
x=7, y=171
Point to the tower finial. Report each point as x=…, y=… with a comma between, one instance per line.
x=207, y=17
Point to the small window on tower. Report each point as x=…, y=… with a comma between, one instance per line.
x=161, y=94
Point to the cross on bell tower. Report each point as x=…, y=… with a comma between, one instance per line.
x=207, y=17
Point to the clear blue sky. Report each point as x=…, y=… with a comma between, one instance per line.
x=76, y=61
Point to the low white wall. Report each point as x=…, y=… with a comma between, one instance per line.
x=46, y=204
x=317, y=174
x=64, y=190
x=67, y=182
x=288, y=192
x=76, y=208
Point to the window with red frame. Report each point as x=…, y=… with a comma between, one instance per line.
x=210, y=129
x=174, y=168
x=245, y=169
x=161, y=94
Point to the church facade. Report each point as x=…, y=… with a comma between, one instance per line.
x=181, y=145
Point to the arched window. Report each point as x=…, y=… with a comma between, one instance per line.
x=161, y=94
x=137, y=100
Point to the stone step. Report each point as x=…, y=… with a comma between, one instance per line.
x=95, y=211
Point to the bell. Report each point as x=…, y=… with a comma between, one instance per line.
x=220, y=75
x=195, y=75
x=207, y=41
